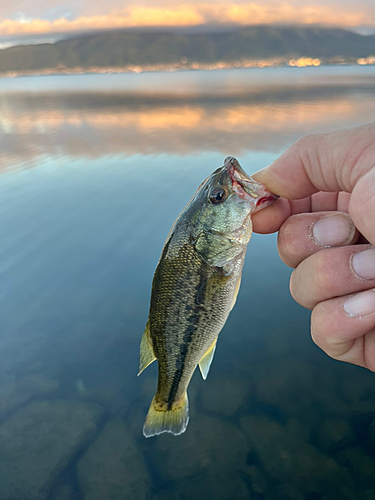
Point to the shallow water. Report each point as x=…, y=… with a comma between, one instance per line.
x=95, y=168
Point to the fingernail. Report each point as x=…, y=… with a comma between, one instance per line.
x=333, y=230
x=363, y=264
x=360, y=304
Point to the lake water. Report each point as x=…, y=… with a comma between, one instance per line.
x=94, y=170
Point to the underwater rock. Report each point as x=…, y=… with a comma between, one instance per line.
x=15, y=393
x=37, y=443
x=208, y=485
x=285, y=385
x=113, y=468
x=333, y=434
x=209, y=444
x=361, y=466
x=285, y=492
x=64, y=492
x=257, y=479
x=224, y=395
x=298, y=388
x=371, y=433
x=358, y=387
x=296, y=428
x=287, y=459
x=331, y=404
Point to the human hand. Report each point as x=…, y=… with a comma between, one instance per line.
x=321, y=179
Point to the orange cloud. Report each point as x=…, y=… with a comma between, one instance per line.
x=308, y=14
x=187, y=15
x=183, y=15
x=147, y=16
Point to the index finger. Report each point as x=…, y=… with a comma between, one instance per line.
x=270, y=219
x=333, y=162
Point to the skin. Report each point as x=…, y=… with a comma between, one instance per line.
x=317, y=176
x=195, y=286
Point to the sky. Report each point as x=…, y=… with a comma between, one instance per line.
x=42, y=17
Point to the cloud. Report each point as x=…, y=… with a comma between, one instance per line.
x=183, y=15
x=187, y=15
x=307, y=14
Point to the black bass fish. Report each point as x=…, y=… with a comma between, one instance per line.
x=195, y=287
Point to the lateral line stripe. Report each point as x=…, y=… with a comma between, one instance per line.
x=186, y=340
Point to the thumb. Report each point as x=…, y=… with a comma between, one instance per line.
x=322, y=162
x=333, y=162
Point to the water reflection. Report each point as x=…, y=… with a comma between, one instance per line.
x=80, y=235
x=94, y=125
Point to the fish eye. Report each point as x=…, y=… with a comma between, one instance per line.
x=217, y=195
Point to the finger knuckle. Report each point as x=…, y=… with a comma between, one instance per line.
x=298, y=290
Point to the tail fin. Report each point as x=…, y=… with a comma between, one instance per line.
x=161, y=419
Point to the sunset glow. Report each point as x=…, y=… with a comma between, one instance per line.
x=168, y=129
x=190, y=15
x=176, y=120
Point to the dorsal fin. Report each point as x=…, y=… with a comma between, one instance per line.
x=205, y=362
x=146, y=351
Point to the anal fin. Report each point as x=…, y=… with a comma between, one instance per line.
x=146, y=351
x=205, y=362
x=236, y=292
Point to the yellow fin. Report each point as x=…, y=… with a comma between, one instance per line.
x=236, y=292
x=146, y=351
x=161, y=419
x=205, y=362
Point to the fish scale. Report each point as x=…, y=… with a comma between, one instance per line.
x=194, y=288
x=191, y=326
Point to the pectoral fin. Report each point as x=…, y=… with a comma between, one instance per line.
x=146, y=352
x=205, y=362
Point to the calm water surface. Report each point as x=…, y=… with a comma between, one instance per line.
x=94, y=170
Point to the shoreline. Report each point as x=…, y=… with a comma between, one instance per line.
x=183, y=65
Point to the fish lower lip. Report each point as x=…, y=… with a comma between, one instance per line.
x=270, y=197
x=267, y=200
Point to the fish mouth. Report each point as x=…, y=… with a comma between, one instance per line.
x=266, y=200
x=246, y=187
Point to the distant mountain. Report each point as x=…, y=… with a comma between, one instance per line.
x=125, y=48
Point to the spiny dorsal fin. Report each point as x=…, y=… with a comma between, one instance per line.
x=146, y=351
x=205, y=362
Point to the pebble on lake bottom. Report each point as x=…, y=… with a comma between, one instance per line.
x=38, y=442
x=113, y=468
